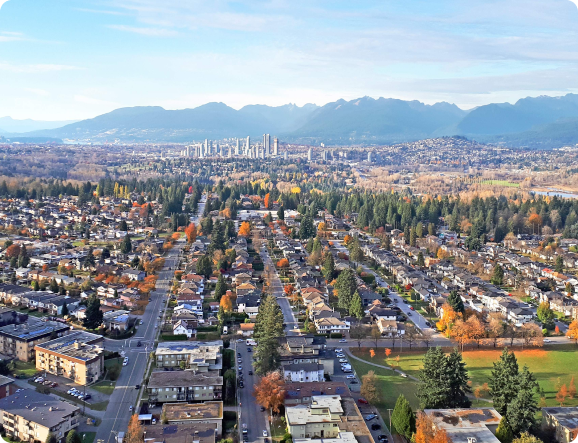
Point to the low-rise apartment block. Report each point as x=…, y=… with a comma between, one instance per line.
x=175, y=386
x=184, y=413
x=564, y=422
x=78, y=356
x=198, y=356
x=467, y=425
x=18, y=341
x=31, y=416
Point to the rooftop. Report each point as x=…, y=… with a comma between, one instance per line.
x=162, y=379
x=171, y=348
x=343, y=437
x=33, y=329
x=464, y=424
x=76, y=345
x=38, y=408
x=197, y=411
x=300, y=390
x=190, y=432
x=566, y=417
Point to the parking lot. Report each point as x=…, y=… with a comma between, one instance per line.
x=63, y=386
x=345, y=373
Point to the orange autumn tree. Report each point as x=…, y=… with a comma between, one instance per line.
x=191, y=233
x=283, y=263
x=448, y=319
x=371, y=353
x=134, y=433
x=572, y=332
x=269, y=392
x=226, y=303
x=387, y=353
x=245, y=229
x=267, y=201
x=427, y=432
x=288, y=289
x=347, y=239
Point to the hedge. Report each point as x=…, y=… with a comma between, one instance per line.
x=174, y=337
x=229, y=415
x=207, y=328
x=336, y=335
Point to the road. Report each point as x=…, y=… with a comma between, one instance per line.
x=249, y=411
x=125, y=395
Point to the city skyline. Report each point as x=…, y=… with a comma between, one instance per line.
x=65, y=61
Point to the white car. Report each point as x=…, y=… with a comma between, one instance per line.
x=339, y=350
x=350, y=376
x=342, y=360
x=547, y=340
x=125, y=361
x=340, y=355
x=342, y=341
x=265, y=433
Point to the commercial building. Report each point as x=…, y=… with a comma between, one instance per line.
x=184, y=413
x=175, y=386
x=199, y=356
x=31, y=416
x=18, y=341
x=78, y=356
x=467, y=425
x=563, y=421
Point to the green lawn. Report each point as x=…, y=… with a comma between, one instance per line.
x=552, y=367
x=278, y=428
x=24, y=369
x=106, y=387
x=505, y=183
x=88, y=437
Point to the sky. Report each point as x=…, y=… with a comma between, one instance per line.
x=75, y=59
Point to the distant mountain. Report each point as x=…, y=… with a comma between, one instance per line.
x=545, y=122
x=381, y=120
x=524, y=115
x=12, y=126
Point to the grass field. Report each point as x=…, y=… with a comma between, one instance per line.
x=504, y=183
x=26, y=369
x=552, y=367
x=106, y=387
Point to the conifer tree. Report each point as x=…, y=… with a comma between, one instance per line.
x=356, y=306
x=403, y=417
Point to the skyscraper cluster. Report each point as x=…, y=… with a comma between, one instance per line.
x=236, y=149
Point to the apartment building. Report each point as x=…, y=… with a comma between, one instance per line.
x=175, y=386
x=467, y=425
x=18, y=341
x=564, y=422
x=78, y=356
x=184, y=413
x=31, y=416
x=198, y=356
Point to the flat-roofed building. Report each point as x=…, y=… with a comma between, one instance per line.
x=302, y=393
x=189, y=433
x=198, y=356
x=342, y=437
x=467, y=425
x=185, y=413
x=78, y=356
x=18, y=341
x=564, y=421
x=7, y=386
x=175, y=386
x=31, y=416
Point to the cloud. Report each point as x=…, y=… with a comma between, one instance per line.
x=36, y=91
x=6, y=36
x=36, y=68
x=2, y=2
x=575, y=2
x=93, y=101
x=151, y=32
x=99, y=11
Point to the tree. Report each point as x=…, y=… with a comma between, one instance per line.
x=458, y=381
x=93, y=313
x=345, y=286
x=122, y=226
x=191, y=233
x=572, y=332
x=245, y=229
x=64, y=310
x=217, y=238
x=403, y=418
x=572, y=388
x=221, y=287
x=356, y=306
x=73, y=437
x=53, y=286
x=204, y=266
x=525, y=437
x=561, y=395
x=420, y=260
x=504, y=432
x=281, y=213
x=358, y=332
x=268, y=201
x=355, y=252
x=134, y=433
x=328, y=266
x=545, y=314
x=269, y=392
x=283, y=263
x=126, y=245
x=12, y=251
x=426, y=432
x=51, y=438
x=498, y=275
x=268, y=328
x=369, y=387
x=456, y=302
x=23, y=258
x=521, y=412
x=307, y=228
x=227, y=304
x=321, y=226
x=503, y=380
x=448, y=319
x=559, y=264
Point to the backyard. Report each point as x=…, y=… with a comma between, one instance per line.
x=551, y=367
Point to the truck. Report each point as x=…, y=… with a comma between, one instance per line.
x=225, y=330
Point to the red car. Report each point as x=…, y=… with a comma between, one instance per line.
x=411, y=307
x=362, y=401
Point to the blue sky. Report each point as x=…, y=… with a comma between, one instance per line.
x=74, y=59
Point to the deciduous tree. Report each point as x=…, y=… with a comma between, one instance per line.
x=269, y=392
x=369, y=387
x=134, y=433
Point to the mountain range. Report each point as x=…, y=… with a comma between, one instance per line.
x=9, y=125
x=536, y=122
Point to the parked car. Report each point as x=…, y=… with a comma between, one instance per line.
x=375, y=426
x=362, y=401
x=350, y=376
x=265, y=434
x=342, y=341
x=342, y=360
x=369, y=417
x=382, y=438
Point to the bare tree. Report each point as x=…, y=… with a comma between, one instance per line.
x=375, y=334
x=427, y=337
x=358, y=332
x=411, y=335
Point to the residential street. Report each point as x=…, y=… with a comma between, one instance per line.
x=125, y=394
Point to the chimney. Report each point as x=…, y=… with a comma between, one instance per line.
x=76, y=344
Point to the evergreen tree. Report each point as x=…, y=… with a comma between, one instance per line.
x=204, y=266
x=498, y=275
x=458, y=381
x=64, y=310
x=220, y=288
x=346, y=285
x=420, y=260
x=122, y=226
x=268, y=328
x=217, y=238
x=434, y=381
x=504, y=432
x=23, y=258
x=403, y=418
x=328, y=266
x=281, y=213
x=356, y=306
x=54, y=286
x=51, y=438
x=456, y=302
x=307, y=228
x=73, y=437
x=126, y=245
x=521, y=412
x=93, y=313
x=35, y=286
x=559, y=265
x=503, y=380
